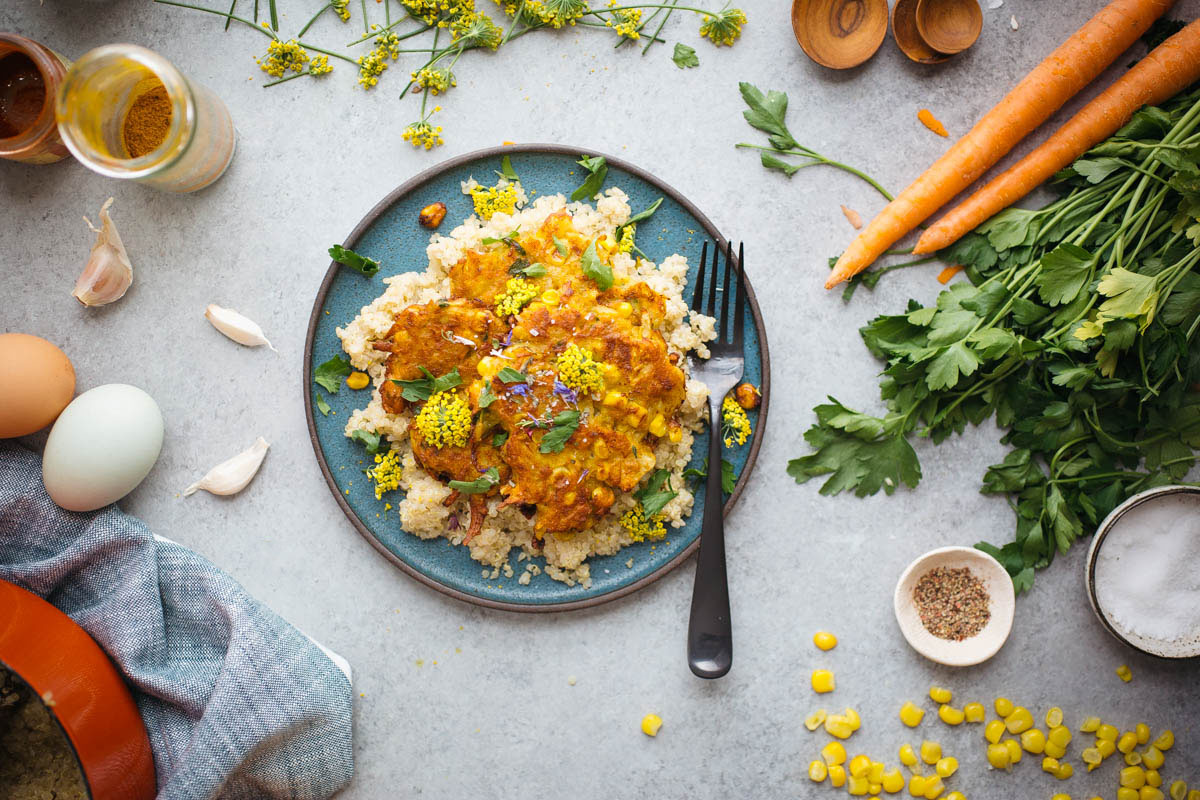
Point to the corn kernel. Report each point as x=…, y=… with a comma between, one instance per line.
x=908, y=756
x=824, y=640
x=817, y=771
x=658, y=425
x=1106, y=747
x=814, y=720
x=651, y=723
x=933, y=788
x=946, y=767
x=1125, y=793
x=1152, y=757
x=1014, y=750
x=875, y=773
x=939, y=695
x=1142, y=730
x=823, y=681
x=1090, y=724
x=837, y=776
x=1107, y=731
x=1149, y=793
x=624, y=309
x=1165, y=741
x=974, y=712
x=951, y=715
x=1124, y=673
x=1054, y=717
x=839, y=726
x=1019, y=720
x=1127, y=741
x=930, y=752
x=834, y=753
x=858, y=766
x=1133, y=777
x=1061, y=736
x=1060, y=796
x=956, y=796
x=1178, y=790
x=1003, y=706
x=1153, y=778
x=1050, y=764
x=1054, y=750
x=893, y=781
x=550, y=297
x=358, y=380
x=911, y=714
x=611, y=399
x=1034, y=741
x=1133, y=759
x=1091, y=755
x=993, y=731
x=1064, y=771
x=916, y=786
x=998, y=756
x=1193, y=794
x=857, y=786
x=875, y=789
x=852, y=719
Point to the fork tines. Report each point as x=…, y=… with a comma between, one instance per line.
x=729, y=336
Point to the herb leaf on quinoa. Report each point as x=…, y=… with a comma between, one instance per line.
x=653, y=496
x=329, y=375
x=420, y=389
x=349, y=258
x=370, y=441
x=598, y=171
x=478, y=486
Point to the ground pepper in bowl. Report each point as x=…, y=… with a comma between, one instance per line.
x=952, y=603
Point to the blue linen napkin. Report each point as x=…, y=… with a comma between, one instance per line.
x=237, y=702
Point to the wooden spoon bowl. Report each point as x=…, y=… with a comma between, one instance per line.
x=904, y=29
x=949, y=26
x=839, y=34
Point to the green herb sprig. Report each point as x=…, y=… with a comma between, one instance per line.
x=421, y=389
x=561, y=428
x=358, y=263
x=480, y=485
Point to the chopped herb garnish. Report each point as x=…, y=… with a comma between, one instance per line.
x=684, y=56
x=656, y=492
x=322, y=405
x=596, y=269
x=509, y=239
x=351, y=259
x=560, y=246
x=329, y=375
x=728, y=476
x=510, y=375
x=480, y=485
x=563, y=425
x=598, y=171
x=486, y=398
x=507, y=171
x=499, y=438
x=420, y=389
x=370, y=441
x=523, y=267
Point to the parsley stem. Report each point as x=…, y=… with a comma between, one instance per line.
x=243, y=20
x=818, y=159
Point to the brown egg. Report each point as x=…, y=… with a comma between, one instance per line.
x=37, y=382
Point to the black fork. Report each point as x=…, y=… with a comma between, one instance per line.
x=710, y=634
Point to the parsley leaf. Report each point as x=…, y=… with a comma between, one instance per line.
x=597, y=172
x=771, y=162
x=655, y=493
x=322, y=405
x=560, y=246
x=507, y=171
x=684, y=56
x=370, y=441
x=329, y=375
x=510, y=375
x=486, y=398
x=563, y=425
x=420, y=389
x=351, y=259
x=1065, y=270
x=521, y=267
x=728, y=476
x=767, y=113
x=641, y=216
x=596, y=269
x=480, y=485
x=499, y=438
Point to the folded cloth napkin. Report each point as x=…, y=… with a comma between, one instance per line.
x=237, y=702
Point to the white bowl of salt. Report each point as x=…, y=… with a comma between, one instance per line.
x=1143, y=572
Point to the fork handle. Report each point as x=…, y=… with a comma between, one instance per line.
x=710, y=633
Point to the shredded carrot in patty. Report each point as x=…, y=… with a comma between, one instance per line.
x=933, y=123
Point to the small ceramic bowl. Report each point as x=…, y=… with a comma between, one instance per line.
x=1174, y=649
x=981, y=646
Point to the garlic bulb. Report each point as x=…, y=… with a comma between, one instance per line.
x=108, y=272
x=230, y=477
x=241, y=329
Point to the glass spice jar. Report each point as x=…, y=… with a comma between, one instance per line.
x=126, y=112
x=30, y=75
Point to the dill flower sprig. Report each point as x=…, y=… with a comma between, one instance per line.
x=444, y=421
x=724, y=26
x=423, y=133
x=283, y=56
x=735, y=425
x=641, y=527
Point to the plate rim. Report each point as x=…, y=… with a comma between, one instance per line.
x=369, y=219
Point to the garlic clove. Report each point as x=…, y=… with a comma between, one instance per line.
x=108, y=273
x=238, y=327
x=230, y=477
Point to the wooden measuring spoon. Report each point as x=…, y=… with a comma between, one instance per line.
x=949, y=26
x=839, y=34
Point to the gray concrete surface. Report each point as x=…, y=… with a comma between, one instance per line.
x=490, y=712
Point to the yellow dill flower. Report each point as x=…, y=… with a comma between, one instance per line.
x=388, y=45
x=625, y=243
x=517, y=293
x=340, y=8
x=577, y=370
x=476, y=30
x=724, y=26
x=370, y=67
x=444, y=421
x=320, y=65
x=735, y=425
x=490, y=199
x=435, y=80
x=282, y=56
x=625, y=22
x=422, y=134
x=433, y=12
x=386, y=473
x=640, y=529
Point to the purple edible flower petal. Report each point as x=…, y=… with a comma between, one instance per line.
x=565, y=392
x=519, y=388
x=454, y=524
x=507, y=340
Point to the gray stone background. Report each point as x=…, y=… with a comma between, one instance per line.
x=490, y=712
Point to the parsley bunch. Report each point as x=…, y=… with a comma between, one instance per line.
x=1076, y=332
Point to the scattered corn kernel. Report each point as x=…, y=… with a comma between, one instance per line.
x=1133, y=759
x=1003, y=706
x=1153, y=778
x=1019, y=720
x=933, y=788
x=858, y=766
x=1150, y=793
x=875, y=773
x=993, y=731
x=1152, y=757
x=1064, y=771
x=1133, y=777
x=814, y=720
x=1125, y=793
x=908, y=756
x=852, y=719
x=956, y=796
x=837, y=775
x=1165, y=740
x=823, y=681
x=1054, y=717
x=930, y=751
x=974, y=712
x=998, y=756
x=1060, y=796
x=839, y=726
x=1124, y=673
x=1127, y=741
x=1107, y=731
x=945, y=767
x=817, y=771
x=916, y=786
x=824, y=640
x=1193, y=794
x=834, y=753
x=857, y=786
x=1034, y=741
x=939, y=695
x=1090, y=724
x=1014, y=750
x=1061, y=736
x=1049, y=764
x=1143, y=732
x=911, y=714
x=1091, y=755
x=875, y=789
x=651, y=723
x=358, y=380
x=1178, y=790
x=1106, y=747
x=893, y=781
x=1054, y=750
x=950, y=715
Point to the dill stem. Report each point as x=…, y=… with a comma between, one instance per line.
x=315, y=17
x=243, y=20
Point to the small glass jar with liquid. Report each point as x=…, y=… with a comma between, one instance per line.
x=126, y=112
x=30, y=76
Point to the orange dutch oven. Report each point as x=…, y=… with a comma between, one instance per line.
x=58, y=659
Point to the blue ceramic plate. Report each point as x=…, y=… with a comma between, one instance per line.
x=390, y=233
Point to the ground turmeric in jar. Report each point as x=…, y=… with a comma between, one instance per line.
x=147, y=122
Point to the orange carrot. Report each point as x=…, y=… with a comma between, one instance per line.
x=948, y=273
x=1170, y=68
x=1068, y=69
x=933, y=123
